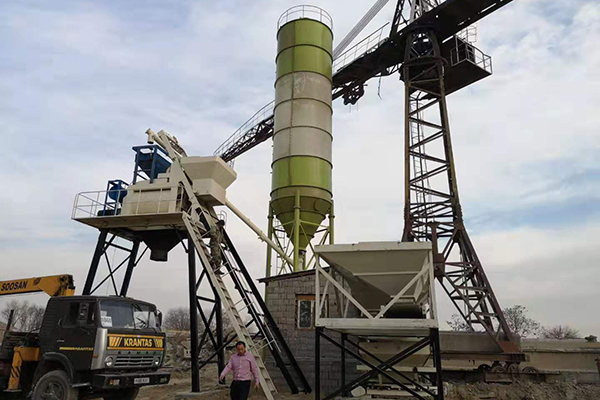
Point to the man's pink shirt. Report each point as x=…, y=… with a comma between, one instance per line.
x=243, y=367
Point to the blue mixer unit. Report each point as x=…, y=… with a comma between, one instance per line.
x=117, y=190
x=149, y=162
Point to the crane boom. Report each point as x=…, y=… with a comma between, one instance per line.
x=55, y=286
x=358, y=28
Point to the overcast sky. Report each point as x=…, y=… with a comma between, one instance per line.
x=82, y=80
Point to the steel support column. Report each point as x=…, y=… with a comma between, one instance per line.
x=130, y=266
x=331, y=223
x=437, y=359
x=318, y=333
x=129, y=256
x=216, y=337
x=193, y=317
x=270, y=236
x=89, y=282
x=296, y=232
x=220, y=348
x=343, y=361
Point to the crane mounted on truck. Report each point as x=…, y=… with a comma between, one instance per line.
x=87, y=346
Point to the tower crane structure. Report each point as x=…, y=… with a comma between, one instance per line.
x=425, y=48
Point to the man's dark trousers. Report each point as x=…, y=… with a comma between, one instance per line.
x=240, y=390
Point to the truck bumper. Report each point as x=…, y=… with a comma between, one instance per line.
x=129, y=380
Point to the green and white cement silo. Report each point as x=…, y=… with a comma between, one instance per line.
x=301, y=196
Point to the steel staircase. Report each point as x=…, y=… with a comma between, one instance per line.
x=268, y=335
x=262, y=318
x=199, y=219
x=230, y=307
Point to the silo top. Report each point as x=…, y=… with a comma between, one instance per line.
x=306, y=12
x=304, y=41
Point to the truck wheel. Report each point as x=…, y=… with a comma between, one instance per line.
x=55, y=385
x=123, y=394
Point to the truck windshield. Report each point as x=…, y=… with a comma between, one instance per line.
x=122, y=314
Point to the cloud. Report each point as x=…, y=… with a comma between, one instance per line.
x=552, y=271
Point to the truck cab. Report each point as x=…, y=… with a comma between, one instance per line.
x=88, y=347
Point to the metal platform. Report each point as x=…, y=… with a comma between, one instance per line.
x=135, y=222
x=447, y=19
x=163, y=211
x=465, y=64
x=389, y=328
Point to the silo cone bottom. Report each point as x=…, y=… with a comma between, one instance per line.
x=312, y=213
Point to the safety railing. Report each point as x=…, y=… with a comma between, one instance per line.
x=367, y=45
x=130, y=202
x=464, y=51
x=264, y=113
x=469, y=34
x=305, y=11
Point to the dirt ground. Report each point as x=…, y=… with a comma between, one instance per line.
x=525, y=391
x=516, y=391
x=180, y=382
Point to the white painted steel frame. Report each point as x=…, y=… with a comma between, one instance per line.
x=370, y=324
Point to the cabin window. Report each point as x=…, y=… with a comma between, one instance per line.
x=305, y=311
x=79, y=314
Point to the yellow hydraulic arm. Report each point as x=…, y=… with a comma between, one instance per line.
x=57, y=285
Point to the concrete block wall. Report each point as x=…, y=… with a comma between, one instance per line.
x=281, y=295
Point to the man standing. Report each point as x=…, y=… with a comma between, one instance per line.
x=244, y=369
x=216, y=234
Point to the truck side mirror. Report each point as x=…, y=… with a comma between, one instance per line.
x=159, y=316
x=83, y=315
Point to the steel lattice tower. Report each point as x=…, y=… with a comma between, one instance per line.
x=432, y=206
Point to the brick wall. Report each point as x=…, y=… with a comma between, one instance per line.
x=281, y=300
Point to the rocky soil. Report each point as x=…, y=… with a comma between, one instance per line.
x=524, y=391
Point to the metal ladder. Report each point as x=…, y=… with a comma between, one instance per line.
x=419, y=166
x=262, y=318
x=230, y=308
x=252, y=303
